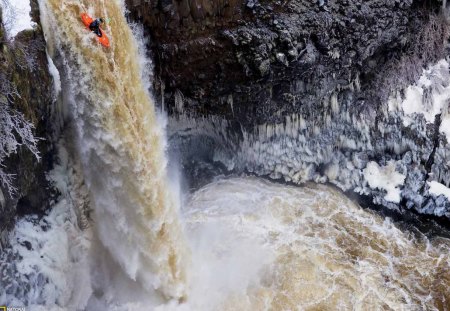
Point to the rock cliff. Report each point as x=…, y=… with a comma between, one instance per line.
x=252, y=61
x=304, y=90
x=23, y=62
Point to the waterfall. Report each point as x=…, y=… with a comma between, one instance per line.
x=120, y=144
x=241, y=244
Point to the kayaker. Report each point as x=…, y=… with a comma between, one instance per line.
x=95, y=26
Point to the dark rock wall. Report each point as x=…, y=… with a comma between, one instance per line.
x=24, y=61
x=249, y=52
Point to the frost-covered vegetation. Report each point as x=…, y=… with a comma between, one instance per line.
x=16, y=16
x=15, y=131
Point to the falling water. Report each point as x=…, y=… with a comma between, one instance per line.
x=120, y=144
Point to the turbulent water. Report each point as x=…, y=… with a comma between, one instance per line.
x=238, y=244
x=277, y=247
x=120, y=144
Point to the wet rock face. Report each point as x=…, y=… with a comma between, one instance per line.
x=24, y=62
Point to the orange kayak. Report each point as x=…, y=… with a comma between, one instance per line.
x=87, y=20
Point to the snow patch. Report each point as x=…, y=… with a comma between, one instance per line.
x=445, y=127
x=438, y=189
x=429, y=96
x=385, y=178
x=16, y=16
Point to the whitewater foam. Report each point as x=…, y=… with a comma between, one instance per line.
x=48, y=257
x=318, y=251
